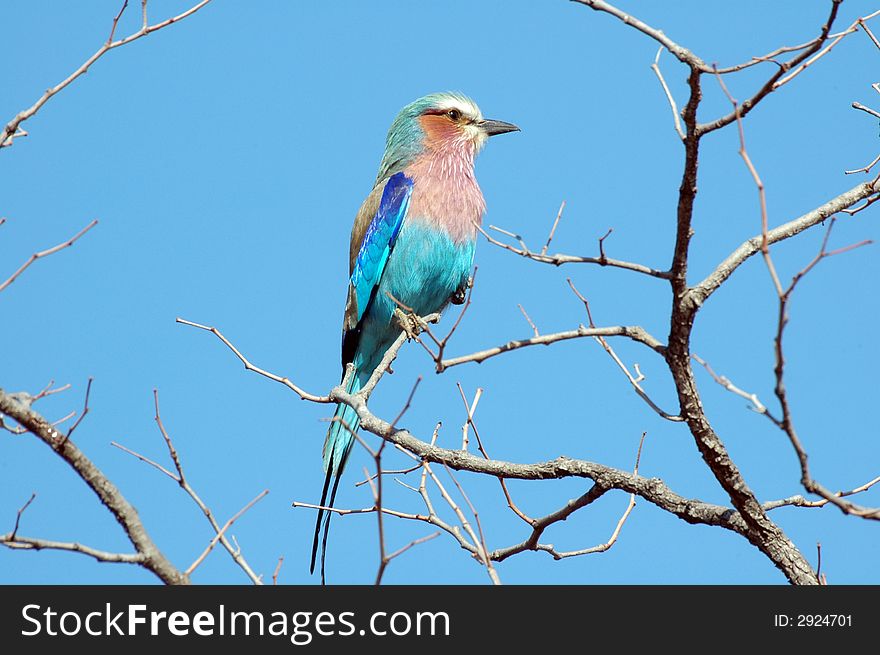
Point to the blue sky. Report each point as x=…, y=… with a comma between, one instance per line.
x=225, y=158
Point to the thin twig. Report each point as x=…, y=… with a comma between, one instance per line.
x=256, y=369
x=477, y=540
x=529, y=320
x=222, y=531
x=798, y=63
x=30, y=543
x=864, y=169
x=553, y=229
x=406, y=406
x=786, y=423
x=560, y=259
x=602, y=257
x=861, y=22
x=181, y=480
x=757, y=405
x=633, y=332
x=679, y=52
x=675, y=117
x=470, y=409
x=539, y=526
x=862, y=207
x=820, y=577
x=414, y=542
x=49, y=391
x=18, y=516
x=146, y=460
x=277, y=571
x=12, y=129
x=800, y=501
x=861, y=107
x=148, y=554
x=634, y=381
x=83, y=413
x=46, y=253
x=812, y=60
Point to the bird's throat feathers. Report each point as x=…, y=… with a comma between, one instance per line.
x=445, y=190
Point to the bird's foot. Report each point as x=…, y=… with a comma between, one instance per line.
x=460, y=294
x=409, y=323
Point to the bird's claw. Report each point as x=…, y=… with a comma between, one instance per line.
x=460, y=295
x=409, y=323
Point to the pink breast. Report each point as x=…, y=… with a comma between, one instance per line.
x=445, y=191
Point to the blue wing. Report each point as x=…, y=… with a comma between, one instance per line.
x=379, y=240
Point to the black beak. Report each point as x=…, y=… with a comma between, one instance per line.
x=492, y=128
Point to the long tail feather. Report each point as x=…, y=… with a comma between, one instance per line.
x=318, y=522
x=327, y=529
x=337, y=446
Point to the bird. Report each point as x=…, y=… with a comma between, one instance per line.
x=412, y=247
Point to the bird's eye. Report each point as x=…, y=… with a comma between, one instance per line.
x=454, y=114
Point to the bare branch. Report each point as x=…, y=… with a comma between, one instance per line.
x=481, y=539
x=414, y=542
x=797, y=71
x=864, y=169
x=757, y=405
x=861, y=107
x=30, y=543
x=409, y=398
x=116, y=20
x=800, y=501
x=762, y=196
x=413, y=326
x=820, y=577
x=698, y=294
x=861, y=22
x=277, y=571
x=787, y=422
x=633, y=332
x=150, y=557
x=256, y=369
x=531, y=542
x=553, y=229
x=49, y=391
x=18, y=516
x=559, y=259
x=799, y=63
x=431, y=517
x=84, y=411
x=146, y=460
x=653, y=490
x=682, y=54
x=602, y=257
x=675, y=117
x=46, y=253
x=180, y=479
x=470, y=409
x=12, y=128
x=529, y=320
x=222, y=531
x=634, y=381
x=855, y=210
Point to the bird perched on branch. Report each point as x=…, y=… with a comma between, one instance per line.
x=412, y=246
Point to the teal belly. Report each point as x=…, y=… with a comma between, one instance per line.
x=424, y=270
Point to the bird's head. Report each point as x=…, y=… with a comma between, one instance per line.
x=439, y=122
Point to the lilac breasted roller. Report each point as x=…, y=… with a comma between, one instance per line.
x=412, y=242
